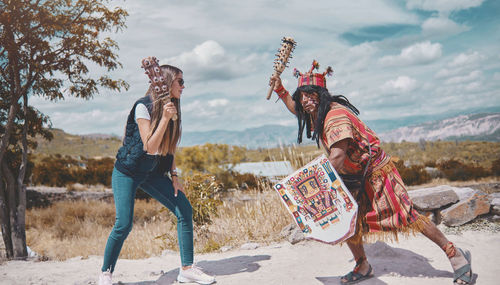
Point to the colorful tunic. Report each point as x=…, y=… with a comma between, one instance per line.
x=386, y=210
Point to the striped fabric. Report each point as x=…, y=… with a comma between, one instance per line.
x=388, y=209
x=317, y=79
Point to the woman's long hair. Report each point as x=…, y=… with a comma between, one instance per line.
x=172, y=134
x=325, y=100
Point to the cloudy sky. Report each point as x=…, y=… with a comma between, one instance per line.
x=392, y=59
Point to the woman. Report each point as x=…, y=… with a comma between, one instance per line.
x=152, y=133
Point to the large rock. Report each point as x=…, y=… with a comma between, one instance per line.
x=495, y=206
x=466, y=210
x=464, y=193
x=428, y=199
x=292, y=233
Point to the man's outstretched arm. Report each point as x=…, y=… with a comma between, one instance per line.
x=283, y=93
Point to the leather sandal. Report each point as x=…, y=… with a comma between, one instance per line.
x=354, y=276
x=461, y=273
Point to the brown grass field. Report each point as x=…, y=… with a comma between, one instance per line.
x=69, y=229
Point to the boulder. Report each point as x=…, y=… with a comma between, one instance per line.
x=494, y=196
x=466, y=210
x=495, y=206
x=464, y=193
x=428, y=199
x=292, y=233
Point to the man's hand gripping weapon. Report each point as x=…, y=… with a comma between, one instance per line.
x=281, y=61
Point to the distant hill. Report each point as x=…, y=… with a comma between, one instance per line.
x=79, y=145
x=265, y=137
x=475, y=127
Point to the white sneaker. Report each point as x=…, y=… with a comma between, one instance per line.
x=194, y=274
x=105, y=278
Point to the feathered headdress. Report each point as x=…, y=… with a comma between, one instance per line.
x=311, y=78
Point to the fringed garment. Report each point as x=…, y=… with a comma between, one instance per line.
x=385, y=210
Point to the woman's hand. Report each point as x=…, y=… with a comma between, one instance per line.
x=169, y=111
x=177, y=186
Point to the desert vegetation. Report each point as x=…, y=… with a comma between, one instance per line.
x=81, y=228
x=453, y=160
x=224, y=212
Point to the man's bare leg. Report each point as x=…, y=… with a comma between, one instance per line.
x=358, y=251
x=434, y=234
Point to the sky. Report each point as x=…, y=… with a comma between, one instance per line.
x=391, y=59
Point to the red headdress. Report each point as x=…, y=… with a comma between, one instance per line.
x=311, y=78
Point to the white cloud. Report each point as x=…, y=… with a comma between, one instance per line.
x=496, y=76
x=419, y=53
x=464, y=59
x=461, y=63
x=95, y=121
x=473, y=87
x=400, y=84
x=226, y=49
x=358, y=57
x=443, y=5
x=218, y=102
x=209, y=60
x=442, y=26
x=198, y=109
x=474, y=75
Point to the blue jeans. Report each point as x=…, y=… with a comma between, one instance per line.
x=159, y=187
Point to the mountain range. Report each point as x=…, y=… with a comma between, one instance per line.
x=477, y=127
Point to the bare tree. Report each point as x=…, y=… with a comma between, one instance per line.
x=46, y=47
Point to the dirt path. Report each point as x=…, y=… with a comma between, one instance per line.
x=412, y=261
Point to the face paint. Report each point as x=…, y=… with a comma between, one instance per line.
x=309, y=101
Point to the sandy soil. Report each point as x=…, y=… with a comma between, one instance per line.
x=411, y=261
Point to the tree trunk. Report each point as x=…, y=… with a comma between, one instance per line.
x=4, y=143
x=17, y=224
x=5, y=222
x=5, y=211
x=20, y=241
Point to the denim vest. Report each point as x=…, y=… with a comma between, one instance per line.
x=132, y=151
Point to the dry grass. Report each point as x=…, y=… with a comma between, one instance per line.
x=258, y=220
x=68, y=229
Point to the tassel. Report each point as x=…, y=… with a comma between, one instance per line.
x=296, y=73
x=329, y=71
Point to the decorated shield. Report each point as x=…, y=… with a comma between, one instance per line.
x=319, y=202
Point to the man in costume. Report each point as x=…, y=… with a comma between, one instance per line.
x=385, y=209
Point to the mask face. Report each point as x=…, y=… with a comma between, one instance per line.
x=309, y=101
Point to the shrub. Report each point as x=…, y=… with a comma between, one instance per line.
x=455, y=170
x=54, y=171
x=202, y=191
x=495, y=167
x=413, y=175
x=64, y=170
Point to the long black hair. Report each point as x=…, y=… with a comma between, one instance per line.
x=325, y=100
